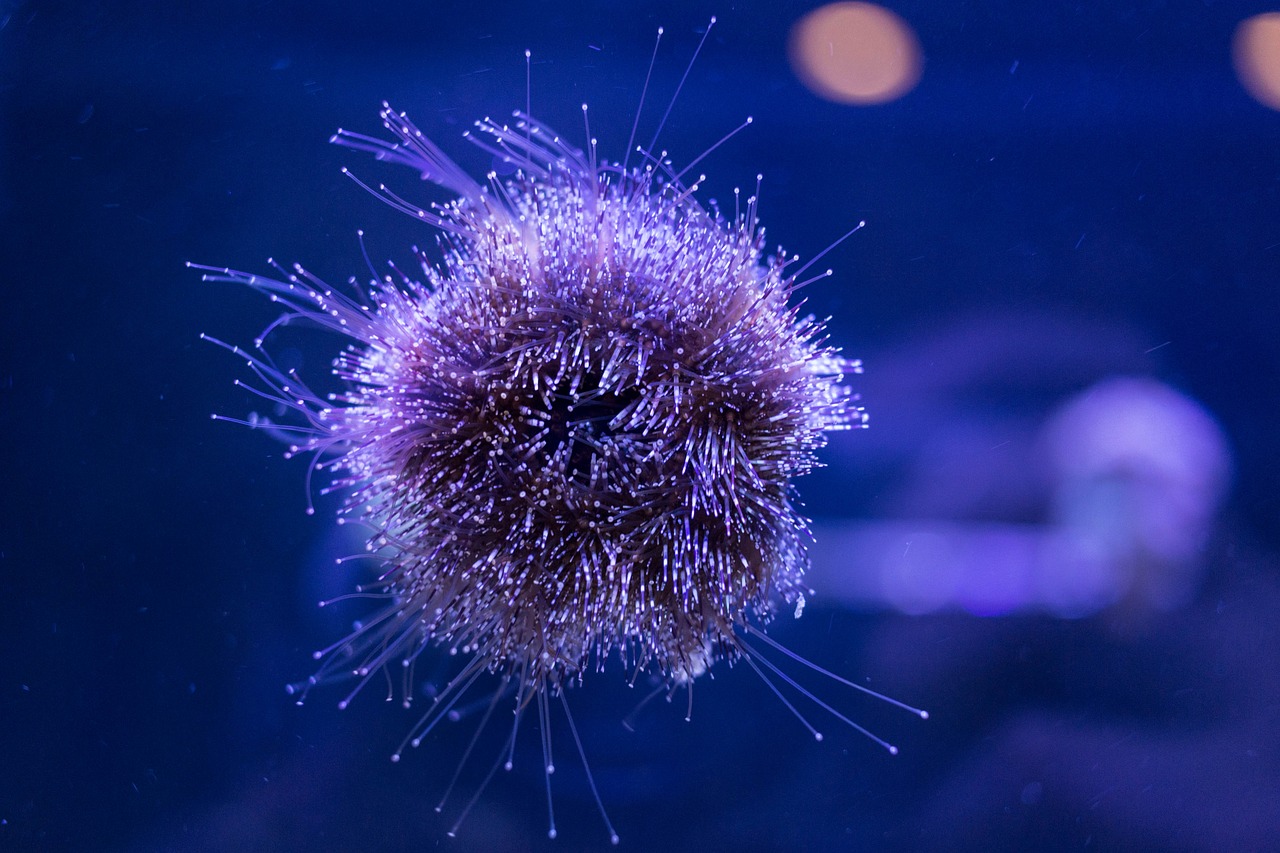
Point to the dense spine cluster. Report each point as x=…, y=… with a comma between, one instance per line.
x=573, y=438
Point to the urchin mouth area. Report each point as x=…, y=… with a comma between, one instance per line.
x=576, y=421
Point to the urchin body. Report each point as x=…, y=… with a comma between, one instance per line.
x=573, y=436
x=576, y=437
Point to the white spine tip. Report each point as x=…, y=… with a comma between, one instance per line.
x=551, y=833
x=817, y=736
x=551, y=768
x=924, y=715
x=395, y=758
x=342, y=706
x=893, y=750
x=507, y=766
x=614, y=839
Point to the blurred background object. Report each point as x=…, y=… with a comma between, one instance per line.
x=1110, y=500
x=1256, y=53
x=855, y=53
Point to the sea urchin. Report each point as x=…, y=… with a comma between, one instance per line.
x=573, y=437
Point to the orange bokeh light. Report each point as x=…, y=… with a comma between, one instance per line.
x=855, y=53
x=1255, y=51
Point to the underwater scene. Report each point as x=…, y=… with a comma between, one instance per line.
x=674, y=426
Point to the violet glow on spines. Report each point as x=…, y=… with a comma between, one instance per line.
x=577, y=434
x=573, y=438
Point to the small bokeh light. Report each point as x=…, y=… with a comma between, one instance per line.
x=1255, y=51
x=855, y=53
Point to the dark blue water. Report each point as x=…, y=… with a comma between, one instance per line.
x=1059, y=534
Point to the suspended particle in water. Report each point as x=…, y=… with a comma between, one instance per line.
x=572, y=440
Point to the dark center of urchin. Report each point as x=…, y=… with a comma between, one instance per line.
x=574, y=421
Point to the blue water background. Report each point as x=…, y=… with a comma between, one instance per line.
x=1074, y=192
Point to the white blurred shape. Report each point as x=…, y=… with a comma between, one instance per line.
x=1141, y=471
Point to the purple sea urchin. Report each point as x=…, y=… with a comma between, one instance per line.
x=577, y=435
x=573, y=438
